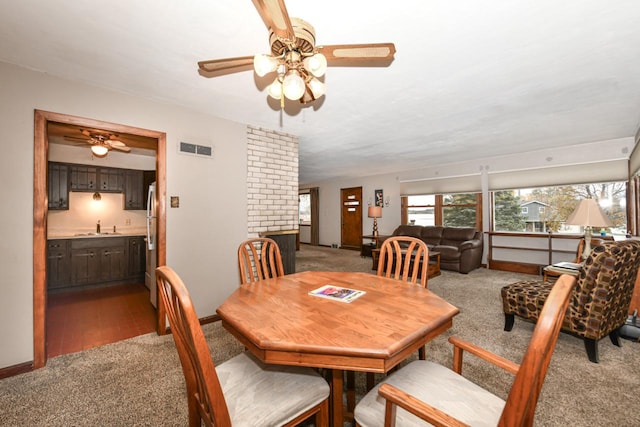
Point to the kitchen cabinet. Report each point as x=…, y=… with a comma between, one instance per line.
x=95, y=260
x=91, y=178
x=137, y=256
x=83, y=178
x=111, y=180
x=85, y=266
x=113, y=262
x=134, y=194
x=58, y=186
x=58, y=263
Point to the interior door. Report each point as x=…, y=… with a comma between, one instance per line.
x=351, y=218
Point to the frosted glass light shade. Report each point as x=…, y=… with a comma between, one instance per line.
x=99, y=150
x=293, y=85
x=275, y=89
x=316, y=64
x=264, y=64
x=317, y=88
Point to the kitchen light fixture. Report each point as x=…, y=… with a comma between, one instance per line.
x=99, y=150
x=375, y=212
x=97, y=196
x=588, y=214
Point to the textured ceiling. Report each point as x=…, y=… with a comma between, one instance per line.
x=470, y=78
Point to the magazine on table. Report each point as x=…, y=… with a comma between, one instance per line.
x=337, y=293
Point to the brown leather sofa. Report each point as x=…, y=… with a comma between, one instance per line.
x=460, y=247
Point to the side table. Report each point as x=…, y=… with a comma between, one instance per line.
x=374, y=243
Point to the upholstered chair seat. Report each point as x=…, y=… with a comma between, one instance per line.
x=600, y=302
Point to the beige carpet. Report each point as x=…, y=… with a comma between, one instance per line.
x=139, y=381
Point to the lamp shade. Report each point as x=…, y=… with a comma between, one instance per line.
x=588, y=214
x=374, y=212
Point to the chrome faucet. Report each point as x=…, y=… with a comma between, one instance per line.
x=98, y=227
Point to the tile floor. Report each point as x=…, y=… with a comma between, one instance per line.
x=79, y=320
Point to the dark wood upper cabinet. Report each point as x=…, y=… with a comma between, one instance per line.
x=83, y=178
x=58, y=186
x=134, y=194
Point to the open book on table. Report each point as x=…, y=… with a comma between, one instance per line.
x=337, y=293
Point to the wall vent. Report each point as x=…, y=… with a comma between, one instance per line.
x=195, y=149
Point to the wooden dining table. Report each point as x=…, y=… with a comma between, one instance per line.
x=280, y=323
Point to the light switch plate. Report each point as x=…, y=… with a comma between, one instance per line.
x=175, y=201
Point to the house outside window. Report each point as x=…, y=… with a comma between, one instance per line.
x=546, y=209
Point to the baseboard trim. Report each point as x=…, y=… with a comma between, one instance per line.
x=515, y=267
x=14, y=370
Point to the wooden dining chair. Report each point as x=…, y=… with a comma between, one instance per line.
x=241, y=391
x=431, y=392
x=404, y=258
x=259, y=259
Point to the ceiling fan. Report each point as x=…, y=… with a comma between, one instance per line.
x=101, y=142
x=296, y=60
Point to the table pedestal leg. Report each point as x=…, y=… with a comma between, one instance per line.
x=336, y=397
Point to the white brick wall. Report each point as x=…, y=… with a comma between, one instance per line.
x=272, y=181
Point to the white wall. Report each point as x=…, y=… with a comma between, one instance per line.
x=202, y=234
x=329, y=195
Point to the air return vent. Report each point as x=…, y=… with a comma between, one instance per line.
x=195, y=149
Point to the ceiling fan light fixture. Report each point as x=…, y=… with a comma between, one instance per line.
x=275, y=89
x=316, y=87
x=316, y=64
x=99, y=150
x=293, y=85
x=264, y=64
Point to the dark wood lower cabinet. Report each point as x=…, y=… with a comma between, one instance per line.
x=94, y=261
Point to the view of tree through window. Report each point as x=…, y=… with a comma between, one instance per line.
x=547, y=208
x=459, y=210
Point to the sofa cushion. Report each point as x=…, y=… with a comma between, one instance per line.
x=453, y=236
x=408, y=230
x=447, y=252
x=431, y=235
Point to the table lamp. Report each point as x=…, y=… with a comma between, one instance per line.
x=588, y=214
x=375, y=212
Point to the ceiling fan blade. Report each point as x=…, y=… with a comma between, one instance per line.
x=76, y=139
x=116, y=146
x=355, y=53
x=276, y=18
x=215, y=67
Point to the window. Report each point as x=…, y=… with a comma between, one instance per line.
x=451, y=210
x=421, y=210
x=304, y=208
x=555, y=204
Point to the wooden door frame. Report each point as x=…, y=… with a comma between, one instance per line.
x=40, y=210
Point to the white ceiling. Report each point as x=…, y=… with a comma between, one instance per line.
x=470, y=78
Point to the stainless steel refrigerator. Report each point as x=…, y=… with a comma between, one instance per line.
x=151, y=260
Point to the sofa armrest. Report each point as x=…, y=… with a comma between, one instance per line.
x=470, y=244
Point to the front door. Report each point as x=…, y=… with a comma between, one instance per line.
x=351, y=218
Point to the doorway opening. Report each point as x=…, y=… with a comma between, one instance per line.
x=148, y=139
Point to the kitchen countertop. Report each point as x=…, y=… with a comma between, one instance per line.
x=92, y=235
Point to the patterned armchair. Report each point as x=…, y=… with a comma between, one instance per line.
x=599, y=302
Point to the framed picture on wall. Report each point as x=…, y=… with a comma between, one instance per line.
x=379, y=198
